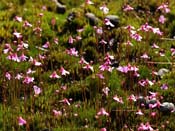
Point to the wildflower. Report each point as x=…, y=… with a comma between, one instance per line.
x=8, y=75
x=83, y=61
x=123, y=69
x=145, y=56
x=162, y=19
x=155, y=46
x=37, y=90
x=23, y=57
x=105, y=66
x=29, y=71
x=46, y=45
x=103, y=42
x=35, y=62
x=65, y=101
x=139, y=112
x=102, y=112
x=56, y=41
x=21, y=121
x=28, y=80
x=72, y=52
x=89, y=2
x=13, y=57
x=99, y=30
x=19, y=19
x=100, y=75
x=103, y=129
x=104, y=9
x=27, y=24
x=164, y=87
x=56, y=113
x=136, y=36
x=153, y=114
x=54, y=75
x=108, y=22
x=19, y=76
x=64, y=72
x=172, y=51
x=118, y=99
x=17, y=35
x=132, y=98
x=71, y=40
x=164, y=8
x=106, y=91
x=7, y=49
x=108, y=56
x=128, y=8
x=88, y=67
x=157, y=31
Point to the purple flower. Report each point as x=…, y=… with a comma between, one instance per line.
x=21, y=121
x=164, y=87
x=162, y=19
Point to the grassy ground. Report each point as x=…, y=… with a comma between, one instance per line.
x=81, y=94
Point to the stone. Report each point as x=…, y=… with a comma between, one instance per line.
x=60, y=9
x=162, y=72
x=114, y=19
x=93, y=20
x=71, y=16
x=167, y=107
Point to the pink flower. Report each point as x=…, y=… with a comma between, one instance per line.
x=89, y=2
x=23, y=57
x=56, y=41
x=123, y=69
x=153, y=114
x=106, y=67
x=19, y=19
x=29, y=71
x=54, y=75
x=28, y=80
x=104, y=9
x=164, y=87
x=88, y=67
x=56, y=113
x=157, y=31
x=27, y=24
x=136, y=36
x=106, y=91
x=139, y=112
x=21, y=121
x=100, y=75
x=7, y=49
x=162, y=19
x=128, y=8
x=108, y=56
x=46, y=45
x=8, y=75
x=13, y=57
x=118, y=99
x=65, y=101
x=72, y=52
x=102, y=112
x=83, y=61
x=37, y=90
x=35, y=62
x=103, y=129
x=155, y=46
x=98, y=30
x=64, y=72
x=103, y=42
x=19, y=76
x=172, y=51
x=17, y=35
x=132, y=98
x=108, y=22
x=164, y=8
x=71, y=40
x=145, y=56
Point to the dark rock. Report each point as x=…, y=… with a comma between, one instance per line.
x=114, y=19
x=93, y=20
x=167, y=107
x=162, y=72
x=71, y=16
x=114, y=63
x=60, y=9
x=141, y=101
